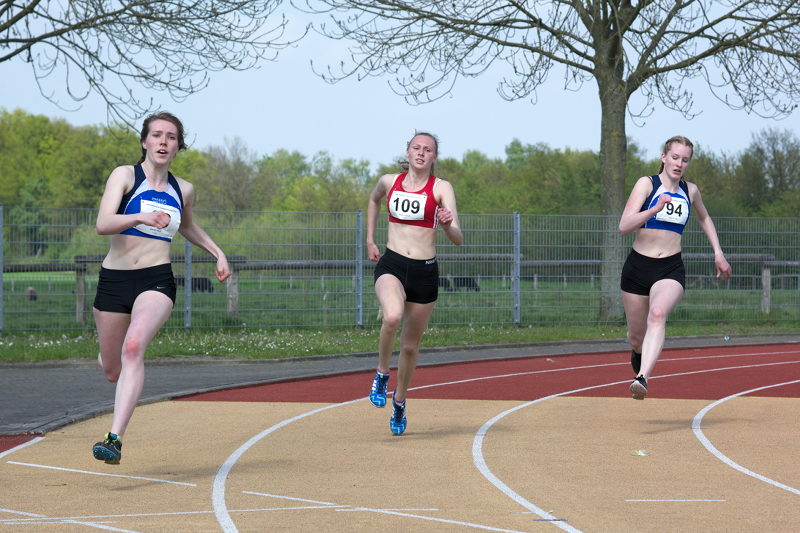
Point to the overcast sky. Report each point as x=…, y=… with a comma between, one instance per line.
x=284, y=104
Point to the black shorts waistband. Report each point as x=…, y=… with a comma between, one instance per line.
x=657, y=260
x=136, y=273
x=407, y=260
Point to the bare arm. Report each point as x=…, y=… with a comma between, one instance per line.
x=632, y=219
x=720, y=263
x=108, y=221
x=197, y=236
x=447, y=214
x=373, y=208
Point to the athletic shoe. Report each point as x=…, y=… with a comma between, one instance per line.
x=378, y=393
x=397, y=423
x=639, y=388
x=636, y=362
x=109, y=449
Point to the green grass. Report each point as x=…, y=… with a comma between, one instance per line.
x=296, y=342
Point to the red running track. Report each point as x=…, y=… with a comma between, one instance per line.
x=684, y=373
x=704, y=373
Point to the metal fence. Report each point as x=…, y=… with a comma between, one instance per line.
x=304, y=269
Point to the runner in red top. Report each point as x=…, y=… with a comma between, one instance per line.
x=407, y=275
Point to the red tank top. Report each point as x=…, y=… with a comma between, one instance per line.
x=416, y=208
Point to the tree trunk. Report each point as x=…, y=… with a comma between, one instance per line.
x=613, y=155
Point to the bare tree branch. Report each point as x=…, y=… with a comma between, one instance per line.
x=113, y=47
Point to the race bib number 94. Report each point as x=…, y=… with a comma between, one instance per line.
x=407, y=205
x=676, y=211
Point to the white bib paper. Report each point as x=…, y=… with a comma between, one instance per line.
x=407, y=205
x=676, y=211
x=148, y=206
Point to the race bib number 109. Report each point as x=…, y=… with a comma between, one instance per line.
x=407, y=205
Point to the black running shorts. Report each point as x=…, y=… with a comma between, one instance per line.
x=640, y=272
x=118, y=289
x=420, y=277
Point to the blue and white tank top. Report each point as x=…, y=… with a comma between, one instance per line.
x=142, y=198
x=674, y=215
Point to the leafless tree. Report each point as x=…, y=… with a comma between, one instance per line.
x=747, y=52
x=114, y=48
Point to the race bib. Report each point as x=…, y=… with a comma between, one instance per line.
x=148, y=206
x=407, y=205
x=676, y=212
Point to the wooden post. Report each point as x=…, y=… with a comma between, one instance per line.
x=80, y=293
x=232, y=285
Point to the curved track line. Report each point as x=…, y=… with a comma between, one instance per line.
x=698, y=432
x=477, y=443
x=218, y=488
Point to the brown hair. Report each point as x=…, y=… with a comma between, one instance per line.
x=161, y=115
x=680, y=139
x=404, y=163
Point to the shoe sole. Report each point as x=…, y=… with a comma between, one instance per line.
x=638, y=391
x=397, y=430
x=378, y=404
x=103, y=454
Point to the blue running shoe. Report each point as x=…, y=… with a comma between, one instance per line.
x=378, y=393
x=109, y=449
x=398, y=422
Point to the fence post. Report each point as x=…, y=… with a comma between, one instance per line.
x=2, y=269
x=766, y=288
x=187, y=285
x=515, y=271
x=359, y=270
x=80, y=292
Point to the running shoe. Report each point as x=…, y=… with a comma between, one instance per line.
x=398, y=422
x=378, y=393
x=636, y=362
x=109, y=449
x=639, y=388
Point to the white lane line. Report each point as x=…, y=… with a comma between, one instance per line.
x=433, y=519
x=20, y=446
x=98, y=526
x=483, y=468
x=678, y=501
x=218, y=489
x=95, y=518
x=286, y=497
x=431, y=509
x=23, y=513
x=698, y=432
x=102, y=474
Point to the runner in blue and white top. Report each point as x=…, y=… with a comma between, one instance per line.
x=142, y=208
x=145, y=198
x=653, y=277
